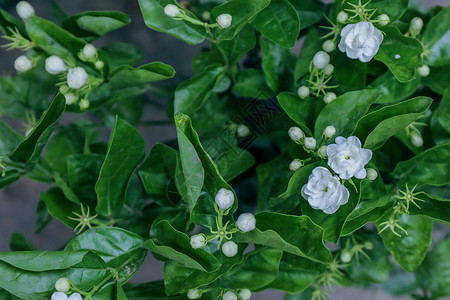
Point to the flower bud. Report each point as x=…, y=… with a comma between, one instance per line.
x=89, y=51
x=62, y=285
x=424, y=71
x=224, y=198
x=310, y=143
x=22, y=64
x=346, y=256
x=84, y=104
x=242, y=131
x=70, y=98
x=229, y=296
x=230, y=248
x=99, y=64
x=329, y=132
x=368, y=245
x=416, y=25
x=383, y=19
x=328, y=46
x=329, y=97
x=329, y=69
x=54, y=65
x=371, y=174
x=206, y=15
x=342, y=17
x=194, y=294
x=322, y=152
x=295, y=133
x=245, y=294
x=75, y=296
x=246, y=222
x=321, y=59
x=303, y=92
x=198, y=241
x=76, y=77
x=59, y=296
x=24, y=9
x=64, y=89
x=172, y=10
x=417, y=140
x=295, y=165
x=224, y=20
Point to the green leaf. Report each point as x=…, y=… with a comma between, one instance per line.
x=279, y=22
x=344, y=112
x=126, y=149
x=234, y=162
x=434, y=207
x=409, y=49
x=155, y=18
x=242, y=12
x=19, y=242
x=120, y=293
x=10, y=177
x=9, y=138
x=8, y=21
x=438, y=79
x=123, y=54
x=442, y=112
x=312, y=44
x=393, y=90
x=59, y=206
x=393, y=8
x=192, y=93
x=252, y=83
x=345, y=80
x=437, y=39
x=236, y=48
x=126, y=76
x=309, y=12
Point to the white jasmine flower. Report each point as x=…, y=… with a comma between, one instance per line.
x=224, y=20
x=322, y=152
x=329, y=132
x=198, y=241
x=417, y=140
x=325, y=191
x=424, y=71
x=70, y=98
x=295, y=133
x=75, y=296
x=172, y=10
x=246, y=222
x=383, y=19
x=361, y=40
x=22, y=64
x=229, y=296
x=347, y=158
x=224, y=198
x=242, y=131
x=328, y=46
x=329, y=97
x=194, y=294
x=303, y=92
x=346, y=256
x=84, y=104
x=342, y=17
x=76, y=77
x=89, y=51
x=321, y=59
x=54, y=65
x=310, y=143
x=230, y=248
x=371, y=174
x=329, y=69
x=245, y=294
x=416, y=25
x=24, y=9
x=295, y=165
x=59, y=296
x=62, y=285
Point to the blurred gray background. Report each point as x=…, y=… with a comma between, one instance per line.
x=18, y=201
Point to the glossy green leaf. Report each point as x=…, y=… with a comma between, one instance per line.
x=437, y=39
x=309, y=12
x=126, y=76
x=236, y=48
x=9, y=139
x=234, y=162
x=345, y=80
x=10, y=177
x=252, y=83
x=8, y=21
x=393, y=90
x=312, y=44
x=59, y=206
x=442, y=112
x=434, y=207
x=123, y=54
x=438, y=79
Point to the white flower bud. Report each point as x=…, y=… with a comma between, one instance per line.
x=329, y=97
x=54, y=65
x=59, y=296
x=224, y=20
x=84, y=104
x=383, y=19
x=24, y=9
x=198, y=241
x=206, y=15
x=245, y=294
x=368, y=245
x=242, y=131
x=62, y=285
x=75, y=296
x=416, y=25
x=229, y=296
x=295, y=133
x=224, y=198
x=99, y=64
x=303, y=92
x=329, y=69
x=89, y=51
x=246, y=222
x=321, y=59
x=417, y=140
x=342, y=17
x=329, y=131
x=230, y=248
x=322, y=152
x=397, y=56
x=194, y=294
x=22, y=64
x=172, y=10
x=295, y=165
x=346, y=256
x=70, y=98
x=76, y=77
x=328, y=46
x=424, y=71
x=310, y=143
x=371, y=174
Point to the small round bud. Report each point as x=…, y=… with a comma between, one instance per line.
x=372, y=174
x=295, y=165
x=342, y=17
x=303, y=92
x=245, y=294
x=62, y=285
x=89, y=51
x=242, y=131
x=84, y=104
x=172, y=10
x=321, y=59
x=416, y=25
x=310, y=143
x=246, y=222
x=322, y=152
x=417, y=140
x=423, y=71
x=229, y=296
x=329, y=69
x=24, y=9
x=59, y=296
x=368, y=245
x=224, y=20
x=99, y=64
x=329, y=132
x=295, y=133
x=76, y=77
x=64, y=89
x=54, y=65
x=329, y=97
x=230, y=248
x=383, y=19
x=70, y=98
x=198, y=241
x=224, y=198
x=194, y=294
x=206, y=15
x=22, y=64
x=346, y=256
x=328, y=46
x=75, y=296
